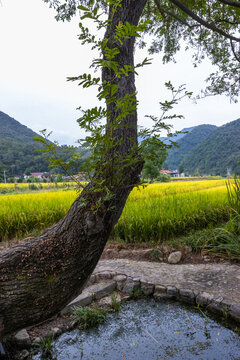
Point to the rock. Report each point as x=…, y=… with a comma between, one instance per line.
x=120, y=279
x=175, y=257
x=104, y=275
x=160, y=292
x=91, y=280
x=165, y=249
x=147, y=288
x=83, y=299
x=22, y=338
x=187, y=249
x=107, y=300
x=206, y=258
x=131, y=285
x=37, y=340
x=124, y=253
x=104, y=290
x=172, y=291
x=235, y=312
x=204, y=298
x=55, y=331
x=187, y=295
x=22, y=355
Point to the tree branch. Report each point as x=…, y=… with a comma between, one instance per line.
x=165, y=11
x=234, y=53
x=230, y=2
x=202, y=21
x=227, y=21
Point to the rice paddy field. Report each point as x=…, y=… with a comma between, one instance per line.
x=26, y=187
x=153, y=214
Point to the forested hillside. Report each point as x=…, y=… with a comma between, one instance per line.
x=11, y=129
x=217, y=153
x=206, y=149
x=186, y=143
x=18, y=150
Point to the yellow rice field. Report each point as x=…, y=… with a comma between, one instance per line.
x=154, y=213
x=25, y=187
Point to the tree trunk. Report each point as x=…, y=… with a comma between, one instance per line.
x=39, y=277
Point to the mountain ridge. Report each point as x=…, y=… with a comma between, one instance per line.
x=186, y=143
x=217, y=153
x=205, y=149
x=13, y=129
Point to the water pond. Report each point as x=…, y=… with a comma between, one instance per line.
x=149, y=330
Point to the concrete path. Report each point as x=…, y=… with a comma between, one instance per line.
x=215, y=286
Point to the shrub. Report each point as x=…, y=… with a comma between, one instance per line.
x=164, y=178
x=33, y=187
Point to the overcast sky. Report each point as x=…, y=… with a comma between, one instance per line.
x=37, y=54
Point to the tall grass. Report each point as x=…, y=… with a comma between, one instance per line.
x=157, y=212
x=20, y=214
x=221, y=241
x=160, y=217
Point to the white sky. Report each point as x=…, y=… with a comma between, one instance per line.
x=37, y=54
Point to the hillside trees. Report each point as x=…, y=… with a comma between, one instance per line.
x=217, y=153
x=45, y=273
x=154, y=157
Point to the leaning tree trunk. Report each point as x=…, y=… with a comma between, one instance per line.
x=39, y=277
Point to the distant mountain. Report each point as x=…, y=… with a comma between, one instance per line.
x=217, y=152
x=186, y=143
x=11, y=129
x=178, y=136
x=18, y=149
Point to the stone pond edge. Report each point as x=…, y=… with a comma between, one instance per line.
x=104, y=283
x=204, y=299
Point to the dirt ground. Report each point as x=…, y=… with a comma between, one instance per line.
x=147, y=252
x=160, y=254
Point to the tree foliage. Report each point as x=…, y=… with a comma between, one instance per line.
x=209, y=27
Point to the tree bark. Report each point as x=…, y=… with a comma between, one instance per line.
x=39, y=277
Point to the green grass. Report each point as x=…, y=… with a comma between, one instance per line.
x=46, y=346
x=89, y=317
x=115, y=304
x=219, y=241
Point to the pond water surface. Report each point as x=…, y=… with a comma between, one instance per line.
x=149, y=330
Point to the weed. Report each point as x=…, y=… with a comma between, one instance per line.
x=135, y=293
x=89, y=317
x=225, y=313
x=46, y=347
x=115, y=305
x=156, y=254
